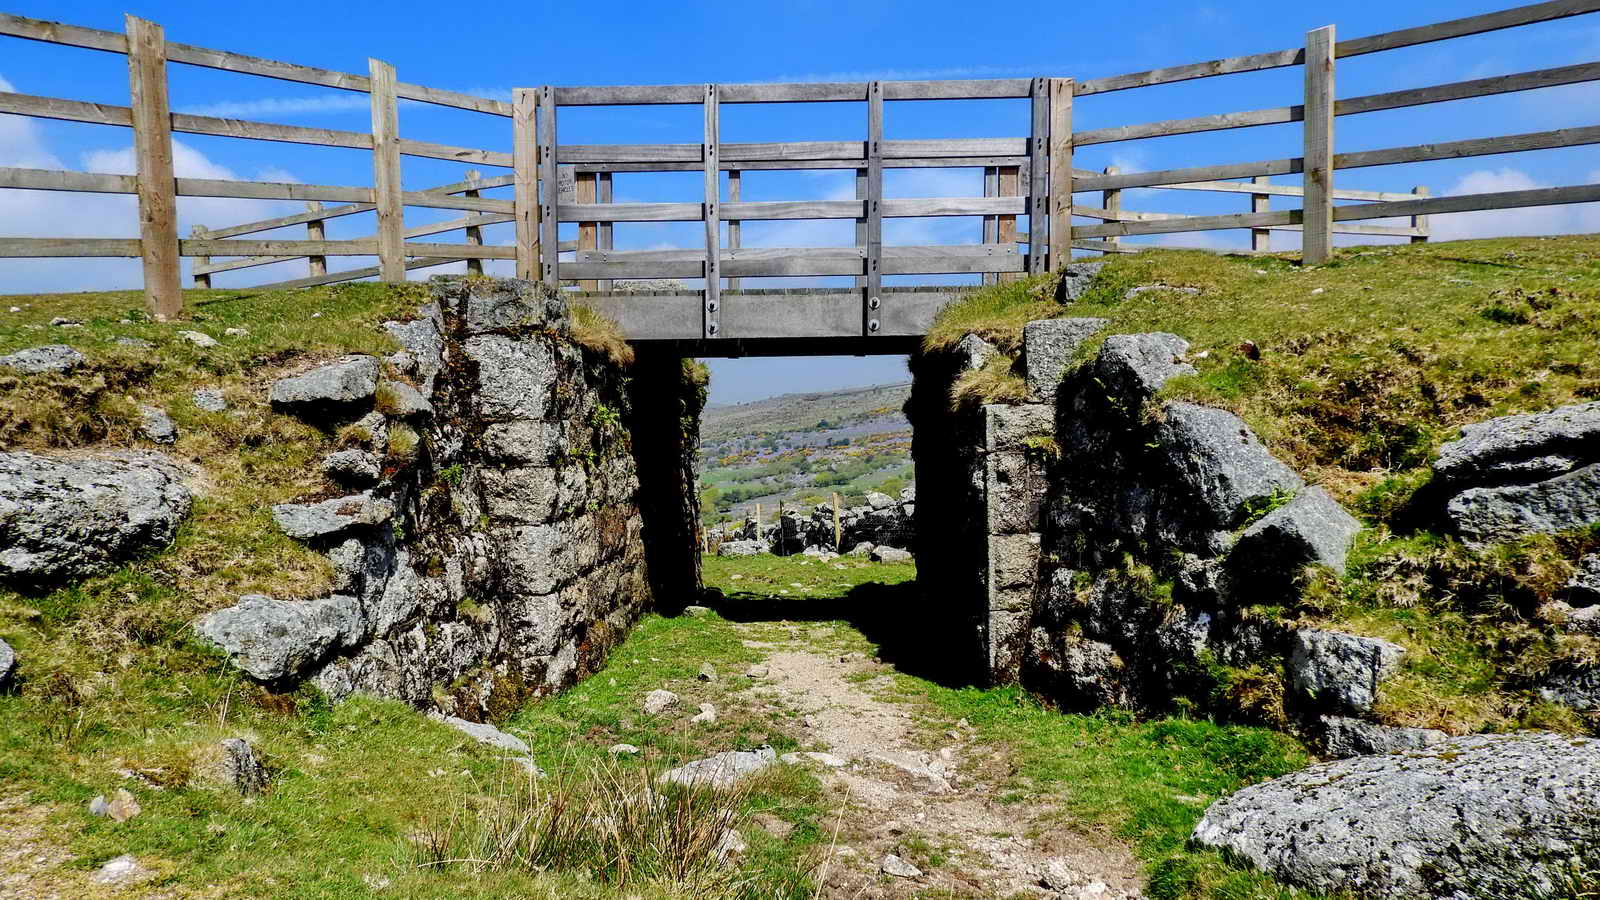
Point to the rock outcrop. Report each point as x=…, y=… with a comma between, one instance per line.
x=8, y=664
x=341, y=387
x=1488, y=816
x=68, y=517
x=38, y=360
x=1523, y=474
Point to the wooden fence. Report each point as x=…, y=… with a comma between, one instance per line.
x=555, y=183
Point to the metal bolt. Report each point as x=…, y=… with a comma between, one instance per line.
x=874, y=303
x=712, y=306
x=711, y=328
x=872, y=325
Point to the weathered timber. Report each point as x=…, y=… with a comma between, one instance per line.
x=156, y=186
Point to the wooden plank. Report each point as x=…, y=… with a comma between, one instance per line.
x=1006, y=225
x=339, y=211
x=728, y=165
x=1188, y=175
x=1420, y=223
x=858, y=252
x=585, y=191
x=991, y=224
x=474, y=233
x=416, y=231
x=386, y=187
x=1169, y=127
x=152, y=147
x=459, y=251
x=345, y=275
x=65, y=35
x=316, y=230
x=1255, y=62
x=549, y=235
x=634, y=212
x=1103, y=246
x=236, y=247
x=1039, y=173
x=797, y=266
x=271, y=190
x=65, y=110
x=1512, y=143
x=1462, y=90
x=606, y=236
x=711, y=156
x=1583, y=193
x=40, y=248
x=1112, y=201
x=455, y=154
x=733, y=224
x=872, y=297
x=1279, y=190
x=801, y=92
x=1317, y=239
x=1106, y=214
x=202, y=279
x=1193, y=223
x=60, y=180
x=1260, y=238
x=1060, y=174
x=525, y=149
x=267, y=131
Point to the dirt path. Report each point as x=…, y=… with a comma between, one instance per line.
x=926, y=796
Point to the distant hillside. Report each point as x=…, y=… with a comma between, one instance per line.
x=802, y=448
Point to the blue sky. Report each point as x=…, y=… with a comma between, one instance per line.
x=489, y=50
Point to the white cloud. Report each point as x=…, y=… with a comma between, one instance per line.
x=1567, y=219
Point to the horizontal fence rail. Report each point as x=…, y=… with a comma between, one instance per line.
x=1028, y=177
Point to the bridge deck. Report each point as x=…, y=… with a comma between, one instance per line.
x=794, y=321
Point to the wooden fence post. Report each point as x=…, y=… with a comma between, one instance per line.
x=1261, y=238
x=711, y=156
x=588, y=232
x=1112, y=201
x=1038, y=175
x=202, y=280
x=1317, y=221
x=549, y=191
x=604, y=192
x=1421, y=222
x=861, y=227
x=733, y=224
x=991, y=224
x=1060, y=173
x=872, y=312
x=525, y=180
x=1006, y=226
x=156, y=186
x=386, y=173
x=474, y=232
x=316, y=230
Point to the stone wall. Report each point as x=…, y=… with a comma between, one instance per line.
x=489, y=528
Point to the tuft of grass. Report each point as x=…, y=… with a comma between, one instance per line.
x=617, y=825
x=599, y=333
x=996, y=382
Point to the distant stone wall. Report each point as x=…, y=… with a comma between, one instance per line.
x=493, y=544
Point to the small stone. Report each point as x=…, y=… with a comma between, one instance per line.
x=484, y=733
x=396, y=398
x=659, y=701
x=236, y=332
x=38, y=360
x=1584, y=587
x=773, y=825
x=1057, y=875
x=199, y=339
x=697, y=612
x=973, y=352
x=730, y=845
x=622, y=750
x=16, y=309
x=156, y=425
x=8, y=664
x=1347, y=737
x=99, y=806
x=1048, y=346
x=707, y=714
x=305, y=521
x=827, y=759
x=352, y=468
x=118, y=871
x=707, y=672
x=62, y=322
x=123, y=806
x=340, y=386
x=890, y=555
x=756, y=672
x=1341, y=672
x=899, y=868
x=137, y=343
x=722, y=770
x=210, y=399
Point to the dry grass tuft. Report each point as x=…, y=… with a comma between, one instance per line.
x=996, y=382
x=596, y=332
x=615, y=823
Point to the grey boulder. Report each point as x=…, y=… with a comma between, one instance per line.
x=71, y=517
x=1486, y=816
x=1346, y=737
x=890, y=555
x=722, y=770
x=1076, y=278
x=1484, y=515
x=1311, y=528
x=973, y=352
x=741, y=548
x=1341, y=672
x=1220, y=465
x=355, y=468
x=1048, y=346
x=156, y=425
x=49, y=358
x=341, y=386
x=1522, y=447
x=403, y=400
x=276, y=639
x=1134, y=366
x=1583, y=589
x=209, y=399
x=240, y=768
x=8, y=664
x=308, y=521
x=484, y=733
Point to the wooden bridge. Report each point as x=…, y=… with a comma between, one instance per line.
x=1026, y=179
